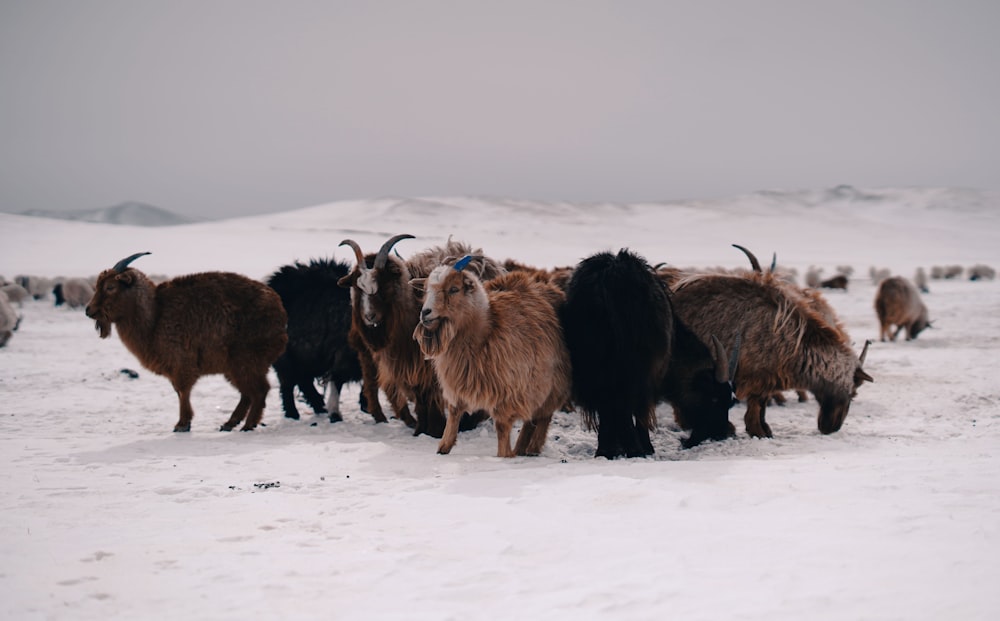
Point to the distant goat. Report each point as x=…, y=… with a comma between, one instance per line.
x=385, y=310
x=898, y=303
x=839, y=281
x=786, y=343
x=15, y=293
x=497, y=347
x=319, y=321
x=619, y=326
x=73, y=292
x=982, y=272
x=920, y=280
x=190, y=326
x=9, y=319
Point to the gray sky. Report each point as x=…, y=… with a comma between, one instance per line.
x=221, y=108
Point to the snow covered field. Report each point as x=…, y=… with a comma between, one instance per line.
x=106, y=514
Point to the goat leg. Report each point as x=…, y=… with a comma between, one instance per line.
x=754, y=417
x=450, y=435
x=187, y=412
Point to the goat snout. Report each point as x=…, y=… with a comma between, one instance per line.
x=426, y=317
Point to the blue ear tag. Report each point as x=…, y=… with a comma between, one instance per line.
x=463, y=262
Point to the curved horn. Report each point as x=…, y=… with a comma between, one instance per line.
x=774, y=262
x=754, y=263
x=357, y=251
x=121, y=265
x=383, y=252
x=864, y=353
x=734, y=358
x=721, y=363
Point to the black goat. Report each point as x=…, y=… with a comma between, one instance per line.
x=319, y=320
x=618, y=326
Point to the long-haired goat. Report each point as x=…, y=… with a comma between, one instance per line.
x=195, y=325
x=898, y=303
x=73, y=292
x=497, y=347
x=699, y=385
x=385, y=310
x=786, y=343
x=9, y=319
x=618, y=325
x=319, y=321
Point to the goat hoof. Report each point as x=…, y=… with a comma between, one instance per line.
x=226, y=428
x=181, y=428
x=335, y=417
x=292, y=415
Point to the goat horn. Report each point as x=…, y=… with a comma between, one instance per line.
x=719, y=354
x=734, y=358
x=774, y=262
x=357, y=252
x=383, y=252
x=864, y=353
x=121, y=265
x=754, y=263
x=463, y=262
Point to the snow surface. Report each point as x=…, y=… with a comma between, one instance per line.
x=106, y=514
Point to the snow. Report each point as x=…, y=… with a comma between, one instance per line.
x=107, y=514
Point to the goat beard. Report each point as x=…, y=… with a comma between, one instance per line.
x=433, y=340
x=103, y=327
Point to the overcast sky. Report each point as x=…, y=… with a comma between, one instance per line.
x=221, y=108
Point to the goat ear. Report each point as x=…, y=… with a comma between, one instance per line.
x=860, y=375
x=126, y=279
x=420, y=284
x=348, y=281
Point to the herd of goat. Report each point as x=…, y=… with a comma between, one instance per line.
x=462, y=337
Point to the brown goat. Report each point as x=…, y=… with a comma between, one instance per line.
x=195, y=325
x=385, y=309
x=787, y=343
x=496, y=346
x=898, y=303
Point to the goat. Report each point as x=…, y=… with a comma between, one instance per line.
x=699, y=386
x=836, y=282
x=898, y=303
x=786, y=343
x=15, y=293
x=813, y=277
x=878, y=274
x=920, y=280
x=195, y=325
x=9, y=319
x=385, y=310
x=618, y=326
x=73, y=292
x=497, y=347
x=319, y=321
x=982, y=272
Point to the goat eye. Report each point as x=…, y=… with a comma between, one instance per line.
x=453, y=290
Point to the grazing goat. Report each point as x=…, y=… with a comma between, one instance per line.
x=385, y=310
x=920, y=280
x=982, y=272
x=786, y=343
x=195, y=325
x=319, y=321
x=15, y=293
x=497, y=347
x=839, y=281
x=699, y=386
x=9, y=319
x=898, y=303
x=618, y=325
x=73, y=292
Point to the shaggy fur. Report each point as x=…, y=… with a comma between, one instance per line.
x=201, y=324
x=898, y=303
x=319, y=321
x=9, y=319
x=497, y=347
x=73, y=292
x=385, y=309
x=699, y=386
x=786, y=343
x=618, y=325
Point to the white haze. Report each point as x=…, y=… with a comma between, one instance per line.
x=107, y=514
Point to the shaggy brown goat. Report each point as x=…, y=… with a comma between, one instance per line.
x=195, y=325
x=837, y=282
x=385, y=309
x=898, y=303
x=787, y=343
x=496, y=346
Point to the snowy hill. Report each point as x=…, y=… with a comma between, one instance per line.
x=129, y=213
